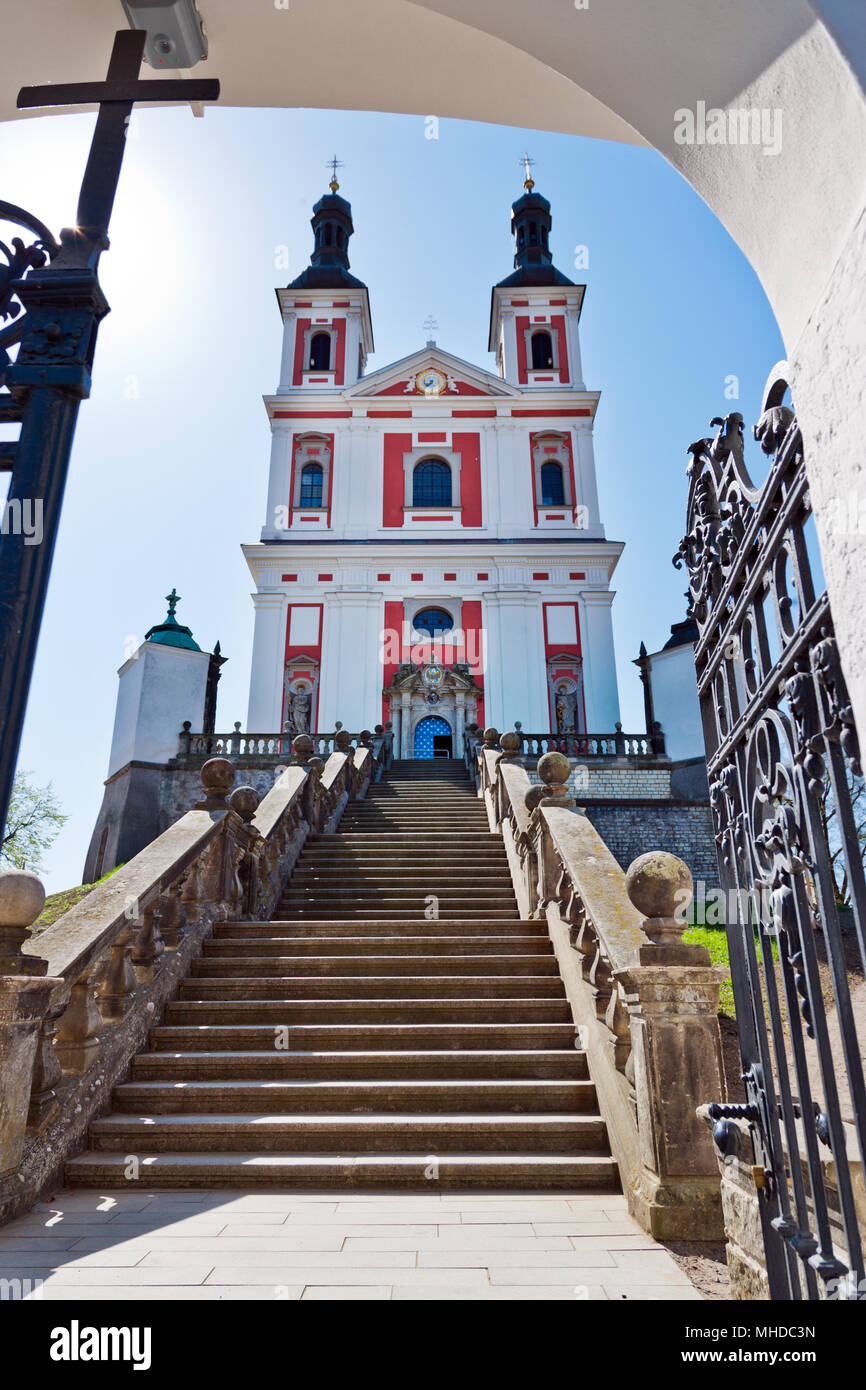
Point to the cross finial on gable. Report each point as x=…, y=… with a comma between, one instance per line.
x=172, y=599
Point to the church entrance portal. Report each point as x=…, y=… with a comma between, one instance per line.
x=433, y=739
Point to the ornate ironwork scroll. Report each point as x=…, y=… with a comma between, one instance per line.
x=789, y=806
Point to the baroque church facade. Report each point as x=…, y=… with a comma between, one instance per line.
x=433, y=552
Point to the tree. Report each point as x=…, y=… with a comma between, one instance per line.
x=33, y=823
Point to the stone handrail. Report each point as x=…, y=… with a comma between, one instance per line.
x=645, y=1003
x=76, y=1001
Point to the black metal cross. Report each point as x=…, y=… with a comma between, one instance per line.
x=115, y=96
x=43, y=387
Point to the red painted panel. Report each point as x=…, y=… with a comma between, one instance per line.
x=396, y=445
x=347, y=303
x=307, y=650
x=326, y=501
x=541, y=574
x=312, y=414
x=555, y=302
x=325, y=578
x=432, y=439
x=289, y=578
x=474, y=414
x=417, y=578
x=471, y=622
x=340, y=365
x=571, y=648
x=301, y=326
x=547, y=413
x=468, y=446
x=393, y=626
x=389, y=415
x=577, y=574
x=482, y=576
x=521, y=324
x=387, y=576
x=449, y=576
x=558, y=322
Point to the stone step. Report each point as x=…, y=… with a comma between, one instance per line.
x=340, y=928
x=402, y=946
x=358, y=1135
x=458, y=1172
x=475, y=1065
x=265, y=1011
x=384, y=987
x=365, y=1097
x=406, y=1038
x=278, y=965
x=395, y=875
x=374, y=913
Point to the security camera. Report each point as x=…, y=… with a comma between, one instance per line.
x=175, y=38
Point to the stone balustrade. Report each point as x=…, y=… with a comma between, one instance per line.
x=259, y=748
x=78, y=999
x=632, y=748
x=644, y=1002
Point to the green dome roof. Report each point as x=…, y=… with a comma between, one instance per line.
x=170, y=633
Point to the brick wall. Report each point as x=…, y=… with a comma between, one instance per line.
x=681, y=829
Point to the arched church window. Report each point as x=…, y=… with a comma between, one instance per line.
x=320, y=352
x=552, y=485
x=542, y=351
x=328, y=233
x=434, y=621
x=521, y=235
x=543, y=235
x=533, y=234
x=312, y=480
x=431, y=484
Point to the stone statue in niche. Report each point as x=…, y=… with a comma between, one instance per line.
x=299, y=711
x=566, y=710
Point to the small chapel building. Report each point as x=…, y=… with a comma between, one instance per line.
x=432, y=552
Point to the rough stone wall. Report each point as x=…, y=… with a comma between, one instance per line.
x=617, y=781
x=181, y=788
x=685, y=830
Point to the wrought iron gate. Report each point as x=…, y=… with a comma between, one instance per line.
x=789, y=806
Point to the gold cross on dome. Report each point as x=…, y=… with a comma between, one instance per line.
x=334, y=164
x=528, y=181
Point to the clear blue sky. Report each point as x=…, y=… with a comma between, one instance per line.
x=170, y=461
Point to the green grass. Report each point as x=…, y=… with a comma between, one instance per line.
x=716, y=942
x=58, y=903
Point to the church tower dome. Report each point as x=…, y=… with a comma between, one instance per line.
x=531, y=222
x=332, y=228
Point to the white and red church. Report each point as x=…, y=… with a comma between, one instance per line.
x=432, y=552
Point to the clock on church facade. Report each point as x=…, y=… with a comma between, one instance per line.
x=432, y=486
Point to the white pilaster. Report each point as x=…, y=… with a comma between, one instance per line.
x=266, y=681
x=287, y=363
x=584, y=475
x=599, y=665
x=279, y=482
x=352, y=671
x=515, y=681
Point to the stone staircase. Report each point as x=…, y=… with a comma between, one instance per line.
x=355, y=1041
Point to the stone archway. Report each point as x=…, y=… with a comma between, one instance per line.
x=566, y=68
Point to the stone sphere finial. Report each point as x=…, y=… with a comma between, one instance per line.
x=302, y=748
x=660, y=887
x=217, y=776
x=316, y=766
x=342, y=741
x=554, y=769
x=491, y=737
x=510, y=745
x=533, y=797
x=22, y=898
x=245, y=801
x=365, y=738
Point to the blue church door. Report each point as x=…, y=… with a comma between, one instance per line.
x=433, y=739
